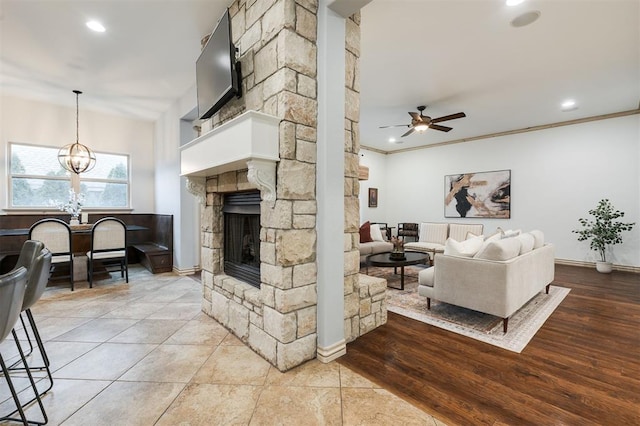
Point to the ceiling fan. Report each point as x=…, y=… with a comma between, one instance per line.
x=420, y=122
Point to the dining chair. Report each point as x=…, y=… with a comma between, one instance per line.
x=12, y=291
x=37, y=278
x=28, y=254
x=56, y=236
x=109, y=246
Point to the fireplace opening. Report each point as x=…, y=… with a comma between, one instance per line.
x=242, y=236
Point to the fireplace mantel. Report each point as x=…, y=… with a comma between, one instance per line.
x=250, y=136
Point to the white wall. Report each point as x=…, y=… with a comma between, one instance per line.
x=171, y=195
x=35, y=122
x=557, y=175
x=377, y=164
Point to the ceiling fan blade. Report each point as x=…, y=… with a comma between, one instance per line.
x=449, y=117
x=439, y=127
x=415, y=116
x=409, y=132
x=394, y=125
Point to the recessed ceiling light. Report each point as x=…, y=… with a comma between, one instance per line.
x=392, y=140
x=569, y=105
x=525, y=19
x=96, y=26
x=514, y=2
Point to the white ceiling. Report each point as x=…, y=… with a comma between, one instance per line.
x=138, y=67
x=452, y=55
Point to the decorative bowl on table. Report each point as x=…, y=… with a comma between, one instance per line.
x=397, y=255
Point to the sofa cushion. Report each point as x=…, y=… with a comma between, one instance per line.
x=526, y=242
x=380, y=247
x=365, y=232
x=433, y=233
x=366, y=249
x=538, y=237
x=467, y=248
x=504, y=249
x=423, y=247
x=376, y=233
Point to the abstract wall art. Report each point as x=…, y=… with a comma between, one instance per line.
x=478, y=195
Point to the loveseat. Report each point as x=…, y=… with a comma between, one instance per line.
x=432, y=236
x=372, y=241
x=498, y=279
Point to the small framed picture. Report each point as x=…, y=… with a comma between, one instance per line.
x=373, y=197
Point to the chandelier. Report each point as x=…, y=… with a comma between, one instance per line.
x=75, y=157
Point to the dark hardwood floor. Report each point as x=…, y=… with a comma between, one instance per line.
x=581, y=368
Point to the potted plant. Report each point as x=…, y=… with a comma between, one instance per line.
x=603, y=231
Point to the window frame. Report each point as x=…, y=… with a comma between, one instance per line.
x=74, y=180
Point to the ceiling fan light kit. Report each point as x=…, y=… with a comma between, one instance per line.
x=421, y=122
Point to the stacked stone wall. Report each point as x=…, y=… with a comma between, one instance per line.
x=358, y=315
x=277, y=46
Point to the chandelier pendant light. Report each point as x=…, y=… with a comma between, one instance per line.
x=75, y=157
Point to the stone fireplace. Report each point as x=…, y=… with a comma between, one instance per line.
x=268, y=142
x=241, y=243
x=278, y=317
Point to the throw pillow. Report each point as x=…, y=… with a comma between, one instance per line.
x=538, y=237
x=504, y=249
x=511, y=233
x=466, y=248
x=376, y=233
x=489, y=239
x=526, y=242
x=365, y=233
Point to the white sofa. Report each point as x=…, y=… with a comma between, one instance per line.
x=498, y=280
x=432, y=236
x=378, y=245
x=374, y=247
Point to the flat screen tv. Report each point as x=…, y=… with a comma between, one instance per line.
x=218, y=76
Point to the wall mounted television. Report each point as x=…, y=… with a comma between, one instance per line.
x=218, y=76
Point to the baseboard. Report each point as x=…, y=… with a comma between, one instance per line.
x=582, y=264
x=335, y=351
x=186, y=271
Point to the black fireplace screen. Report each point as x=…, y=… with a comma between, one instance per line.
x=242, y=236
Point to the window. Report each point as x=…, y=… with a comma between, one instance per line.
x=107, y=184
x=37, y=180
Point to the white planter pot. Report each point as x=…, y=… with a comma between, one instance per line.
x=604, y=267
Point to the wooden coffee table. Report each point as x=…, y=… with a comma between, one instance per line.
x=411, y=258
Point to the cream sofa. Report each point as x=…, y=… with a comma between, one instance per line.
x=498, y=280
x=378, y=245
x=432, y=236
x=374, y=247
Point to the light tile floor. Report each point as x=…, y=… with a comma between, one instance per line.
x=144, y=354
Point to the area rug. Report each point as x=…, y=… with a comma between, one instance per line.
x=523, y=325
